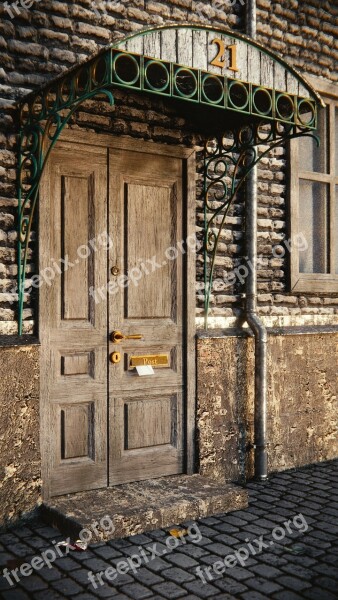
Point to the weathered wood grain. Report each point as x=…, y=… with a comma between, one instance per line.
x=292, y=85
x=279, y=77
x=254, y=65
x=195, y=48
x=184, y=47
x=135, y=44
x=169, y=45
x=267, y=71
x=146, y=193
x=152, y=45
x=73, y=211
x=199, y=54
x=242, y=61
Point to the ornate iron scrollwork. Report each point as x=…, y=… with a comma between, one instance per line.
x=43, y=116
x=228, y=159
x=45, y=113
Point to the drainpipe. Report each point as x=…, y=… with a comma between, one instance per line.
x=251, y=18
x=257, y=326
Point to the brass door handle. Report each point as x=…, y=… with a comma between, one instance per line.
x=115, y=357
x=117, y=337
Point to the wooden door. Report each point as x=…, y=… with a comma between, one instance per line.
x=73, y=328
x=125, y=269
x=146, y=413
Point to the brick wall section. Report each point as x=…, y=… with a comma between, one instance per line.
x=37, y=45
x=151, y=118
x=52, y=36
x=274, y=299
x=305, y=33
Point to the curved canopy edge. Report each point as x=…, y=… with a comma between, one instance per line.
x=132, y=40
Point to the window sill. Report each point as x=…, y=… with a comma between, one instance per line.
x=320, y=284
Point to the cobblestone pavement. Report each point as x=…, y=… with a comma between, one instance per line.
x=283, y=547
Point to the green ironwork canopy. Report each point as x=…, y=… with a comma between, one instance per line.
x=210, y=67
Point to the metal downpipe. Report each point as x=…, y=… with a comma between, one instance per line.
x=257, y=326
x=251, y=18
x=259, y=330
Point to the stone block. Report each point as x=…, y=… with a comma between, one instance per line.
x=28, y=48
x=63, y=55
x=93, y=31
x=62, y=23
x=145, y=505
x=50, y=34
x=158, y=8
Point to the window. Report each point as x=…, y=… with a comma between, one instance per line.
x=314, y=205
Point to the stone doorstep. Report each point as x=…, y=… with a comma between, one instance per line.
x=143, y=505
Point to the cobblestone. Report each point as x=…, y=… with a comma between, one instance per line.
x=136, y=591
x=301, y=566
x=33, y=584
x=169, y=589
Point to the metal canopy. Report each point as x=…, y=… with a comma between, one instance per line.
x=203, y=65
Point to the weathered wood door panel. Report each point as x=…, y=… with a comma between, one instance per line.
x=123, y=269
x=146, y=413
x=73, y=328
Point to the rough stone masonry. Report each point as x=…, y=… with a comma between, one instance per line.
x=41, y=42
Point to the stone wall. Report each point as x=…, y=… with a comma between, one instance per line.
x=305, y=33
x=42, y=41
x=39, y=42
x=302, y=402
x=20, y=465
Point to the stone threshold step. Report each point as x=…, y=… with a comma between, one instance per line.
x=142, y=506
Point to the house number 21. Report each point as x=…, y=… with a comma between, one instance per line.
x=219, y=60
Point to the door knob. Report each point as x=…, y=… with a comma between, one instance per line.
x=117, y=337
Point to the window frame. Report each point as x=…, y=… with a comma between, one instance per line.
x=315, y=282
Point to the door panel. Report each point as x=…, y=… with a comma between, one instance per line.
x=146, y=413
x=73, y=328
x=76, y=208
x=146, y=208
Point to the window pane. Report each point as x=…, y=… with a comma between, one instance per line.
x=336, y=224
x=312, y=158
x=313, y=226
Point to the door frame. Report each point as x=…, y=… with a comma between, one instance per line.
x=188, y=157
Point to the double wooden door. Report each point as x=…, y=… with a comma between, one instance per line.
x=113, y=224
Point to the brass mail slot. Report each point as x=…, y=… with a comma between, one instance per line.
x=155, y=360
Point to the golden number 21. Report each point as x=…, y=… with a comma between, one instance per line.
x=219, y=60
